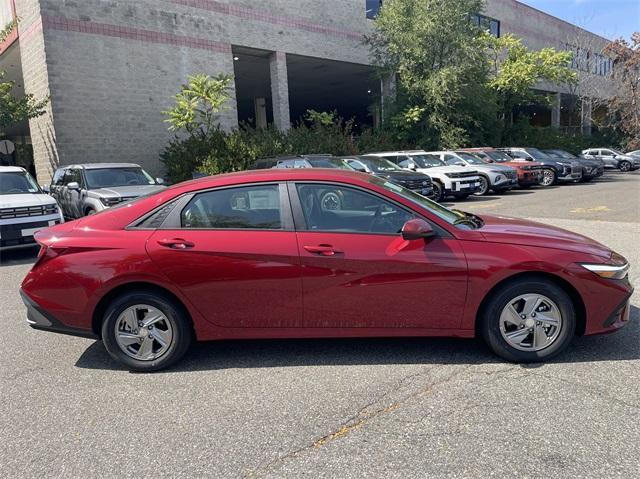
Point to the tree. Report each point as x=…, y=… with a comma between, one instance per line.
x=624, y=107
x=198, y=104
x=435, y=51
x=15, y=109
x=516, y=70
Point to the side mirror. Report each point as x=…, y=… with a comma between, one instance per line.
x=73, y=186
x=46, y=188
x=160, y=181
x=416, y=229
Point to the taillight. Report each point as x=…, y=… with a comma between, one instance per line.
x=47, y=253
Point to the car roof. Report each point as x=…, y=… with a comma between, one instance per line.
x=95, y=166
x=273, y=174
x=12, y=169
x=399, y=152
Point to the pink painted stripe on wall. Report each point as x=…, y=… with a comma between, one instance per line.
x=130, y=33
x=263, y=16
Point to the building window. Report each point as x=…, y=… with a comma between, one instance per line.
x=489, y=24
x=373, y=8
x=586, y=61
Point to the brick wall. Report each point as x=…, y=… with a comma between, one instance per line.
x=112, y=66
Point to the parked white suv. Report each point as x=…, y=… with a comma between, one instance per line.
x=456, y=181
x=24, y=208
x=499, y=178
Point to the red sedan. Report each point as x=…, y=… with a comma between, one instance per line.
x=262, y=254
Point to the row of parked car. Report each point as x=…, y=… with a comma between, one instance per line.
x=471, y=171
x=81, y=190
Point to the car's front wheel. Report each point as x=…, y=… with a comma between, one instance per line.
x=438, y=192
x=484, y=186
x=548, y=177
x=624, y=166
x=529, y=320
x=146, y=331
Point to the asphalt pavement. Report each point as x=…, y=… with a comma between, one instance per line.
x=335, y=408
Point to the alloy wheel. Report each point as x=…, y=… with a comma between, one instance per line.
x=548, y=177
x=530, y=322
x=143, y=332
x=625, y=166
x=484, y=187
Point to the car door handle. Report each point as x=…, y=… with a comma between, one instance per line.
x=323, y=250
x=176, y=243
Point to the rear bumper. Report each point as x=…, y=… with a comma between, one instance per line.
x=40, y=319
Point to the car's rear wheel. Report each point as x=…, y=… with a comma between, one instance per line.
x=484, y=186
x=529, y=320
x=438, y=192
x=146, y=331
x=624, y=166
x=548, y=177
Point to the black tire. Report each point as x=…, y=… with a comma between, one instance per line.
x=485, y=186
x=490, y=319
x=548, y=177
x=438, y=192
x=624, y=166
x=89, y=212
x=175, y=314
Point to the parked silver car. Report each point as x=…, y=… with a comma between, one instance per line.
x=613, y=158
x=498, y=178
x=83, y=190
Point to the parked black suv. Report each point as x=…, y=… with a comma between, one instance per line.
x=591, y=168
x=412, y=180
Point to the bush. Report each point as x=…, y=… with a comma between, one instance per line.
x=523, y=134
x=219, y=151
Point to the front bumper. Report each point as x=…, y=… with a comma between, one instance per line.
x=20, y=235
x=506, y=183
x=40, y=319
x=427, y=191
x=528, y=177
x=593, y=172
x=573, y=175
x=463, y=187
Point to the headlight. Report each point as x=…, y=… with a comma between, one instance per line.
x=617, y=268
x=110, y=201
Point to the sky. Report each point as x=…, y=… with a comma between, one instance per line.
x=609, y=18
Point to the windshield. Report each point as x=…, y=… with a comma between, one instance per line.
x=112, y=177
x=17, y=183
x=561, y=154
x=537, y=154
x=498, y=156
x=427, y=161
x=469, y=158
x=379, y=165
x=328, y=163
x=615, y=152
x=453, y=217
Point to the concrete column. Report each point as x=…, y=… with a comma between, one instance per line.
x=586, y=112
x=556, y=106
x=260, y=108
x=388, y=93
x=280, y=90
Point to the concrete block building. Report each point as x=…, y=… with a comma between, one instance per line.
x=110, y=67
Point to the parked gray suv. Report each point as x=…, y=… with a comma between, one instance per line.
x=613, y=158
x=83, y=190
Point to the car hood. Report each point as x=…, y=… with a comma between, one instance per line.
x=132, y=191
x=404, y=176
x=26, y=199
x=448, y=169
x=520, y=164
x=504, y=229
x=492, y=167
